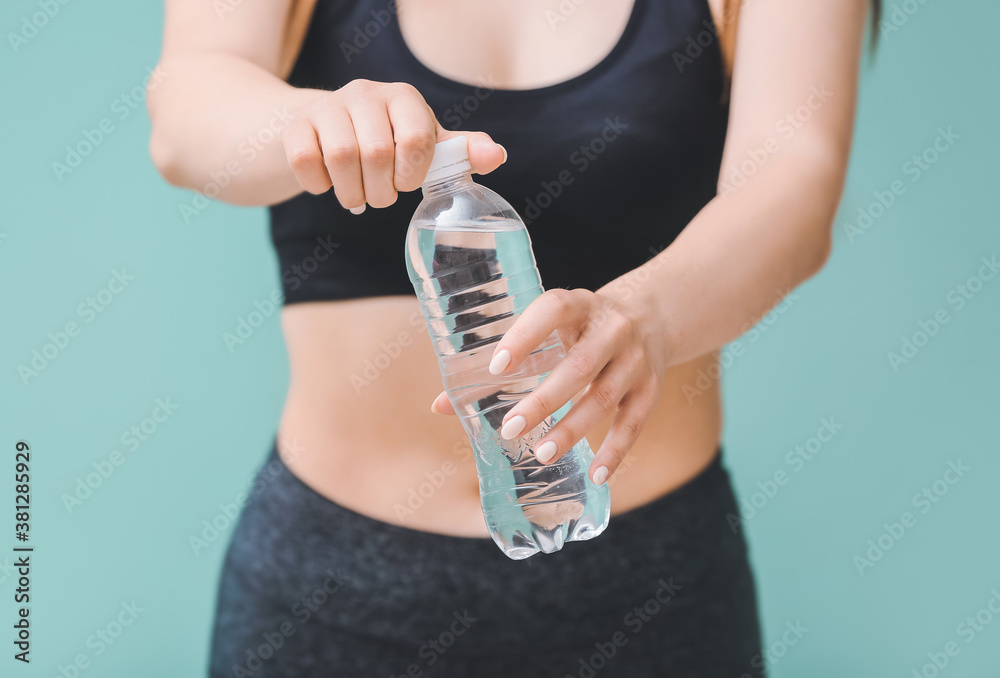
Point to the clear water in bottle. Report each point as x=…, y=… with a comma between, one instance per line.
x=470, y=260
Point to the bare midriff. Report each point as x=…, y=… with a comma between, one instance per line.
x=358, y=429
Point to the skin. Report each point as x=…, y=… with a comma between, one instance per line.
x=637, y=347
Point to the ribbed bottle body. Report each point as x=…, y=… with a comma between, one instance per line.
x=470, y=260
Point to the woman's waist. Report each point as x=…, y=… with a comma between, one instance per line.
x=431, y=484
x=358, y=409
x=392, y=459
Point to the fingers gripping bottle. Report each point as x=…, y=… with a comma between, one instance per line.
x=470, y=260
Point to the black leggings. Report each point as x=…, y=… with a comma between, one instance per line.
x=312, y=589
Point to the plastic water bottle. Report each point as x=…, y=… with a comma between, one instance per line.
x=470, y=260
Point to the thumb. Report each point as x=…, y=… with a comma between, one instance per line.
x=485, y=155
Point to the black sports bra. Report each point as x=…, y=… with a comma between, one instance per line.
x=605, y=168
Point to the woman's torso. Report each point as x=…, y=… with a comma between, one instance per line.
x=615, y=138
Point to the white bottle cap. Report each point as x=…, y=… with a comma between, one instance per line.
x=451, y=157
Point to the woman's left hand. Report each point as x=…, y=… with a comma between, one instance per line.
x=616, y=350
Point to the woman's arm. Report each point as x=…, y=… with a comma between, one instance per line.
x=223, y=111
x=220, y=90
x=791, y=121
x=769, y=229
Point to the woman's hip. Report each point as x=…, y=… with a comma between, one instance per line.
x=666, y=580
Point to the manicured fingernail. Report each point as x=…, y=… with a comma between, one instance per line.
x=512, y=428
x=545, y=452
x=600, y=475
x=504, y=154
x=500, y=362
x=358, y=210
x=434, y=407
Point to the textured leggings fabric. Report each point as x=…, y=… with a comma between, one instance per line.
x=312, y=589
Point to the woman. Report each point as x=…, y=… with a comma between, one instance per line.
x=676, y=184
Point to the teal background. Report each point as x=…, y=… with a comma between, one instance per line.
x=825, y=357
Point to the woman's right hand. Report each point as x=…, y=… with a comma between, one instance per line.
x=369, y=140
